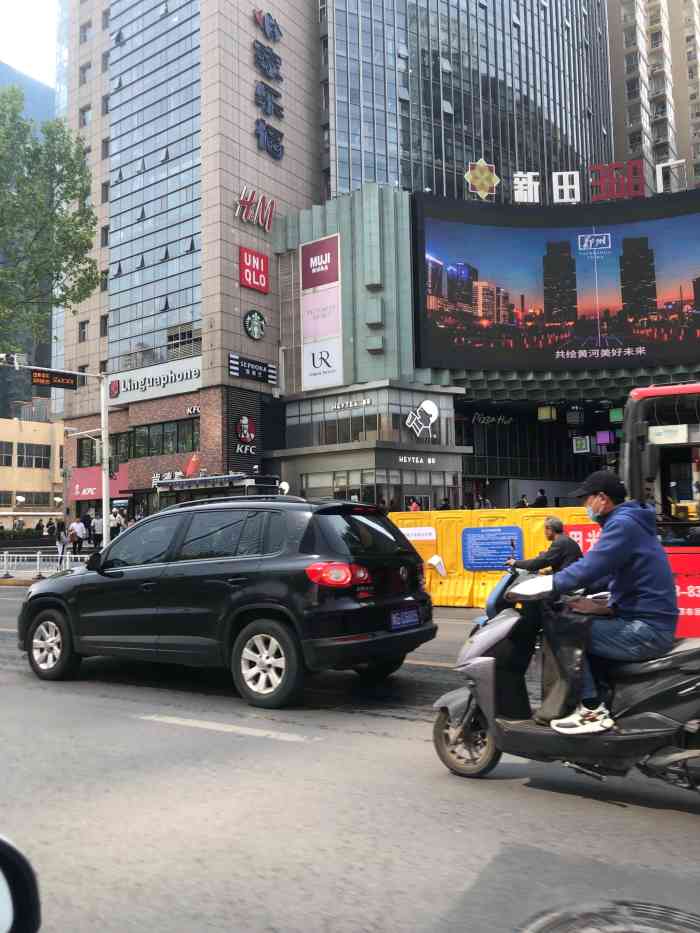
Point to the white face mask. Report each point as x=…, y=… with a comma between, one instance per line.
x=591, y=514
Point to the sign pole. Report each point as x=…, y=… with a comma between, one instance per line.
x=104, y=427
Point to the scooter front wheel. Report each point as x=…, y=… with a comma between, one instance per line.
x=466, y=748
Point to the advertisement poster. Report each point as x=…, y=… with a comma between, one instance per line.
x=490, y=548
x=321, y=314
x=591, y=286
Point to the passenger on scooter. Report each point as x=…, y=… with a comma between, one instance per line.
x=629, y=561
x=562, y=551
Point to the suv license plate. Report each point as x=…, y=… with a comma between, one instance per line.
x=404, y=618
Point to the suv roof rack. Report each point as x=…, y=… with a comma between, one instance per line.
x=260, y=497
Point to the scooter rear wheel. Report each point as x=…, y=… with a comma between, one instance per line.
x=469, y=751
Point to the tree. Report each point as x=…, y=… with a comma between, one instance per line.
x=47, y=225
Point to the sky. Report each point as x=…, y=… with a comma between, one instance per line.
x=28, y=37
x=512, y=257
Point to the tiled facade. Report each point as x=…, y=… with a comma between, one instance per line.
x=174, y=141
x=654, y=62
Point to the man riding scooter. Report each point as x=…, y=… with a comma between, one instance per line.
x=639, y=622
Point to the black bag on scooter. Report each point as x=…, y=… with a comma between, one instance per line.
x=567, y=634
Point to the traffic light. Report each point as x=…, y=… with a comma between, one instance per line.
x=10, y=359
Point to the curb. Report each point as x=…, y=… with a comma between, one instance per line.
x=15, y=582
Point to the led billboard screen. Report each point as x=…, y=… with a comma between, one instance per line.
x=528, y=287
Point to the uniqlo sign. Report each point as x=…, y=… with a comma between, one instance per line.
x=254, y=269
x=319, y=263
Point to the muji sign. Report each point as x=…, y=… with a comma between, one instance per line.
x=253, y=269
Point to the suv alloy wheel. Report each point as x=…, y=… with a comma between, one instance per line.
x=267, y=664
x=50, y=643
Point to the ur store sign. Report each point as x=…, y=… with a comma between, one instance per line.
x=253, y=269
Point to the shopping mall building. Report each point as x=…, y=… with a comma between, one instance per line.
x=378, y=344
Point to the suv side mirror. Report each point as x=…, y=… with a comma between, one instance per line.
x=19, y=893
x=94, y=561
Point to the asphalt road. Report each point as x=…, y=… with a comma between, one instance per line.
x=153, y=799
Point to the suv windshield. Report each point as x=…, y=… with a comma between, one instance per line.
x=354, y=534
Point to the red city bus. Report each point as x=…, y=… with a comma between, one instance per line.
x=660, y=465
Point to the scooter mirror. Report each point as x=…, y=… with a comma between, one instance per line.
x=438, y=564
x=530, y=589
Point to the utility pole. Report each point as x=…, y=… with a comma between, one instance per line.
x=69, y=379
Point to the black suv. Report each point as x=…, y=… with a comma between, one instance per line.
x=270, y=587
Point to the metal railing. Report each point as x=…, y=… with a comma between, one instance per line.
x=38, y=563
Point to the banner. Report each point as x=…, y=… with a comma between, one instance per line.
x=321, y=314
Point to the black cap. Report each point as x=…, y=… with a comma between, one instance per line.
x=601, y=481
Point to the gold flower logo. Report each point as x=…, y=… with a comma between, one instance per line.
x=482, y=178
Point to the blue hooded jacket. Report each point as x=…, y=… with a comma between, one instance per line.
x=628, y=559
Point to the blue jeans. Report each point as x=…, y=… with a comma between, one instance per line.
x=622, y=640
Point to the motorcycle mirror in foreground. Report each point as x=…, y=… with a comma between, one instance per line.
x=20, y=910
x=530, y=589
x=438, y=564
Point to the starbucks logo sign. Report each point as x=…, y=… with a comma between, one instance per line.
x=254, y=324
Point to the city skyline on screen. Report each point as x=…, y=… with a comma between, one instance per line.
x=512, y=258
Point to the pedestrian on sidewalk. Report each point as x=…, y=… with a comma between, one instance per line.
x=98, y=532
x=87, y=521
x=60, y=538
x=114, y=525
x=77, y=533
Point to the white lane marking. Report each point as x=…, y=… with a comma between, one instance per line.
x=227, y=727
x=430, y=663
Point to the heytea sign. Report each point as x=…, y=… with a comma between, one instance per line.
x=173, y=378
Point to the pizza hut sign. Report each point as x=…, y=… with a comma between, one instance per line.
x=253, y=270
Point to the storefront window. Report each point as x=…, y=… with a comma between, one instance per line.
x=140, y=442
x=155, y=440
x=170, y=437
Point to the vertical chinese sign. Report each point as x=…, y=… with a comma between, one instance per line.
x=267, y=97
x=321, y=314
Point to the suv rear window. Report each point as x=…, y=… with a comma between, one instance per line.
x=354, y=534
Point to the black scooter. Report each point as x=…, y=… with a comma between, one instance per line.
x=655, y=704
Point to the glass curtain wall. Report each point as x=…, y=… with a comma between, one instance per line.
x=418, y=88
x=155, y=217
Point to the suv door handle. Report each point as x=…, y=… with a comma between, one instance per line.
x=147, y=587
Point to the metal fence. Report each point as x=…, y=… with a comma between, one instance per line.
x=38, y=563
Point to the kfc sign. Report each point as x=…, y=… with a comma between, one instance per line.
x=246, y=433
x=253, y=270
x=320, y=262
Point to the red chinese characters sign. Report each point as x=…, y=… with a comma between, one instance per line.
x=616, y=181
x=584, y=535
x=253, y=269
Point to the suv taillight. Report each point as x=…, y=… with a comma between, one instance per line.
x=338, y=574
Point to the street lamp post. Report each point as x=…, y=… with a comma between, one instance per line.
x=11, y=359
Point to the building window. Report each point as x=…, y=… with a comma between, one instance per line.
x=34, y=455
x=103, y=366
x=85, y=117
x=5, y=453
x=81, y=379
x=104, y=235
x=82, y=331
x=87, y=450
x=105, y=104
x=85, y=31
x=104, y=325
x=633, y=89
x=5, y=498
x=104, y=286
x=105, y=192
x=184, y=341
x=84, y=73
x=105, y=62
x=105, y=148
x=33, y=499
x=155, y=440
x=105, y=18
